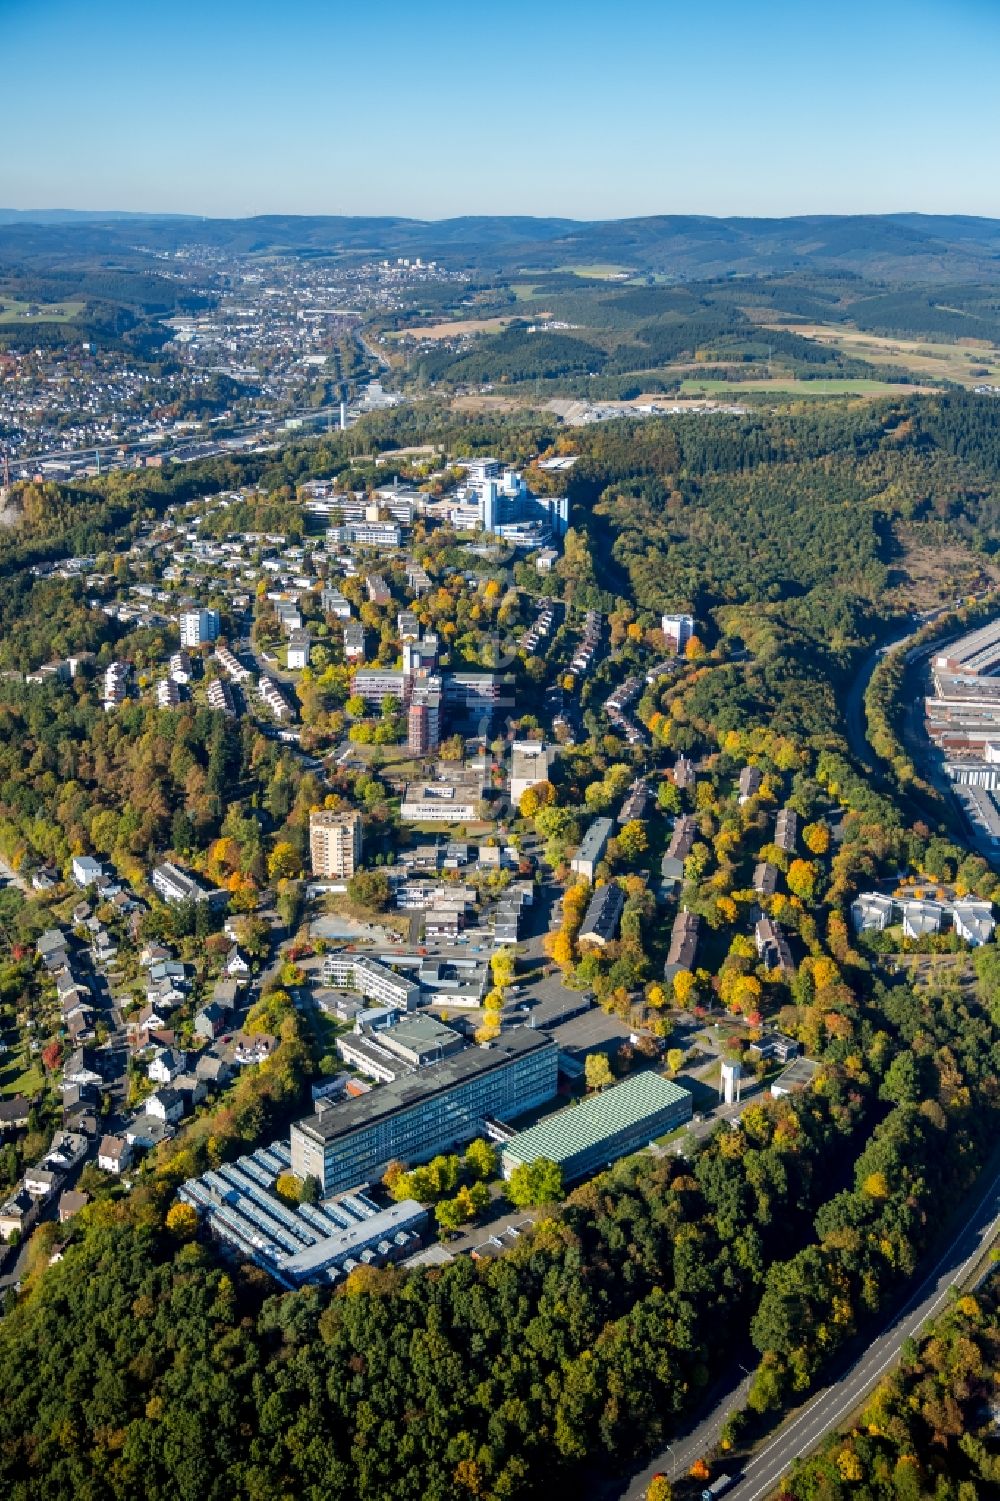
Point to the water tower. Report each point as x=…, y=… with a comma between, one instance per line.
x=730, y=1082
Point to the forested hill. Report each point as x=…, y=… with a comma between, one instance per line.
x=919, y=248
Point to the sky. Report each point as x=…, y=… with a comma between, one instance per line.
x=589, y=110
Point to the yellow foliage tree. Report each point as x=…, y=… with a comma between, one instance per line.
x=876, y=1186
x=182, y=1221
x=684, y=987
x=562, y=949
x=288, y=1187
x=538, y=795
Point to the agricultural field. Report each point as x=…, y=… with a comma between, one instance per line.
x=599, y=271
x=966, y=364
x=791, y=386
x=456, y=328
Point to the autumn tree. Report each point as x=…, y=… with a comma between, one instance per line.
x=597, y=1071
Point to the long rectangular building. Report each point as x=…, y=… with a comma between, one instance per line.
x=603, y=1127
x=978, y=652
x=416, y=1115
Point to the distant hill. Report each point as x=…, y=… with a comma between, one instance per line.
x=896, y=248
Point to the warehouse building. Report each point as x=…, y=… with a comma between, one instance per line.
x=432, y=1110
x=586, y=1137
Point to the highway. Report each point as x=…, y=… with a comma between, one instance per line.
x=833, y=1405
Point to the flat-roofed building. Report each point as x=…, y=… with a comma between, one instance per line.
x=588, y=1136
x=423, y=723
x=872, y=912
x=335, y=843
x=382, y=984
x=453, y=801
x=375, y=684
x=199, y=626
x=474, y=694
x=419, y=1114
x=678, y=630
x=530, y=762
x=798, y=1075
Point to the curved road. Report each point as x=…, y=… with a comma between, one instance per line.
x=833, y=1404
x=855, y=719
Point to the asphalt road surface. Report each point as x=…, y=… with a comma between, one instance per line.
x=834, y=1404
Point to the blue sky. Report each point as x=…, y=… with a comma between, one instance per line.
x=437, y=108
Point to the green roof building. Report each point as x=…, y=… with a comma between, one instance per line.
x=586, y=1137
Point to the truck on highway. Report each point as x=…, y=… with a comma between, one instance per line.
x=717, y=1488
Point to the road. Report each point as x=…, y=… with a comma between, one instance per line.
x=834, y=1404
x=855, y=718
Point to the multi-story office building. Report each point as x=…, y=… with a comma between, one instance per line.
x=199, y=626
x=507, y=508
x=420, y=657
x=419, y=1114
x=382, y=534
x=476, y=694
x=377, y=982
x=453, y=801
x=380, y=983
x=599, y=1130
x=335, y=843
x=374, y=684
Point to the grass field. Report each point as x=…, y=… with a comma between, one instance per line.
x=29, y=1082
x=925, y=357
x=792, y=387
x=12, y=311
x=598, y=271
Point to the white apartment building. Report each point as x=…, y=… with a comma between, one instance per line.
x=678, y=630
x=199, y=626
